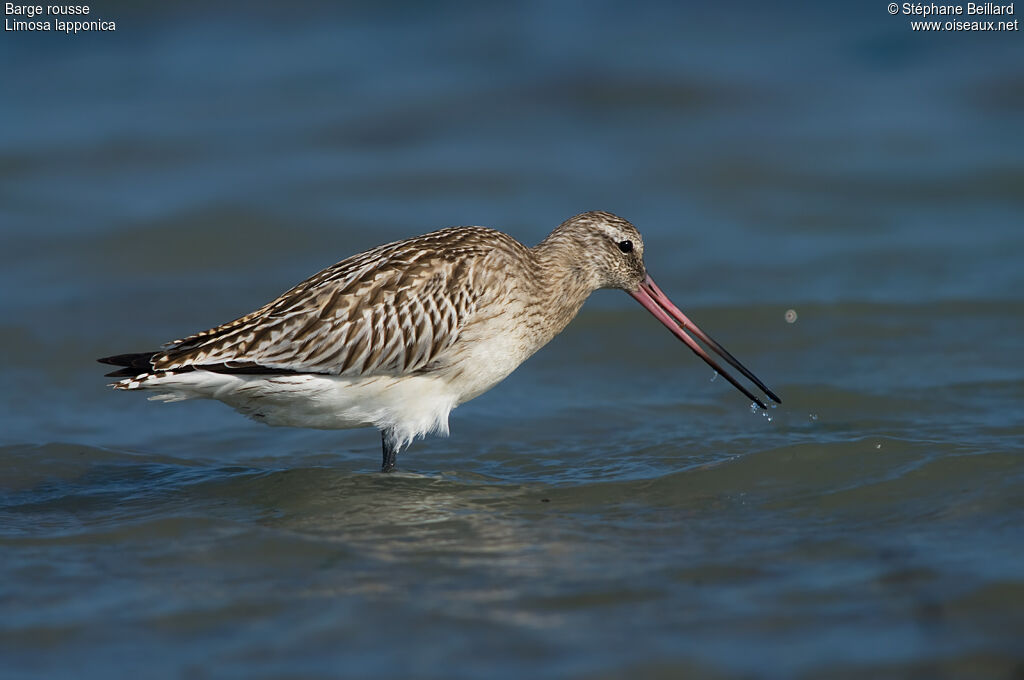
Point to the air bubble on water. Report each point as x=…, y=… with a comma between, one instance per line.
x=754, y=407
x=791, y=316
x=812, y=416
x=773, y=405
x=714, y=377
x=878, y=446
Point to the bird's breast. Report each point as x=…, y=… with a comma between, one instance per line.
x=489, y=349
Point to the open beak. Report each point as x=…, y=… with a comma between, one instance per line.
x=658, y=304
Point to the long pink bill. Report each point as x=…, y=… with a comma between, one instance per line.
x=658, y=304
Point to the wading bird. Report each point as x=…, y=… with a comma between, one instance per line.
x=398, y=336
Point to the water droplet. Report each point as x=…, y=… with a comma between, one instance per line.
x=714, y=377
x=812, y=416
x=753, y=407
x=791, y=316
x=878, y=446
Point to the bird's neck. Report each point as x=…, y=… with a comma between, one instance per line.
x=562, y=283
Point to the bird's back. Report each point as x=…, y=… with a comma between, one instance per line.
x=390, y=310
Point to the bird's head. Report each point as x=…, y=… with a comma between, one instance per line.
x=605, y=251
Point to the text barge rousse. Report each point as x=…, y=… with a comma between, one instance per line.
x=45, y=24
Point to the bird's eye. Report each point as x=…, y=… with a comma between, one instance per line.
x=626, y=246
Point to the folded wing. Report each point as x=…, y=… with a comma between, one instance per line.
x=390, y=310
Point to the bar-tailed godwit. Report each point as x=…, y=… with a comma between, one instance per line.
x=398, y=336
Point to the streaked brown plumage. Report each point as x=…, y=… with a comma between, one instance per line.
x=392, y=309
x=397, y=336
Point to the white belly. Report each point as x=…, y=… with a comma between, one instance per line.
x=411, y=405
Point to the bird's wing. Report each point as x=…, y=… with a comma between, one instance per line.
x=389, y=310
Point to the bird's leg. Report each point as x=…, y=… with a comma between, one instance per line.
x=390, y=443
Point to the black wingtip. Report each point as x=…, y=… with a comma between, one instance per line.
x=133, y=364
